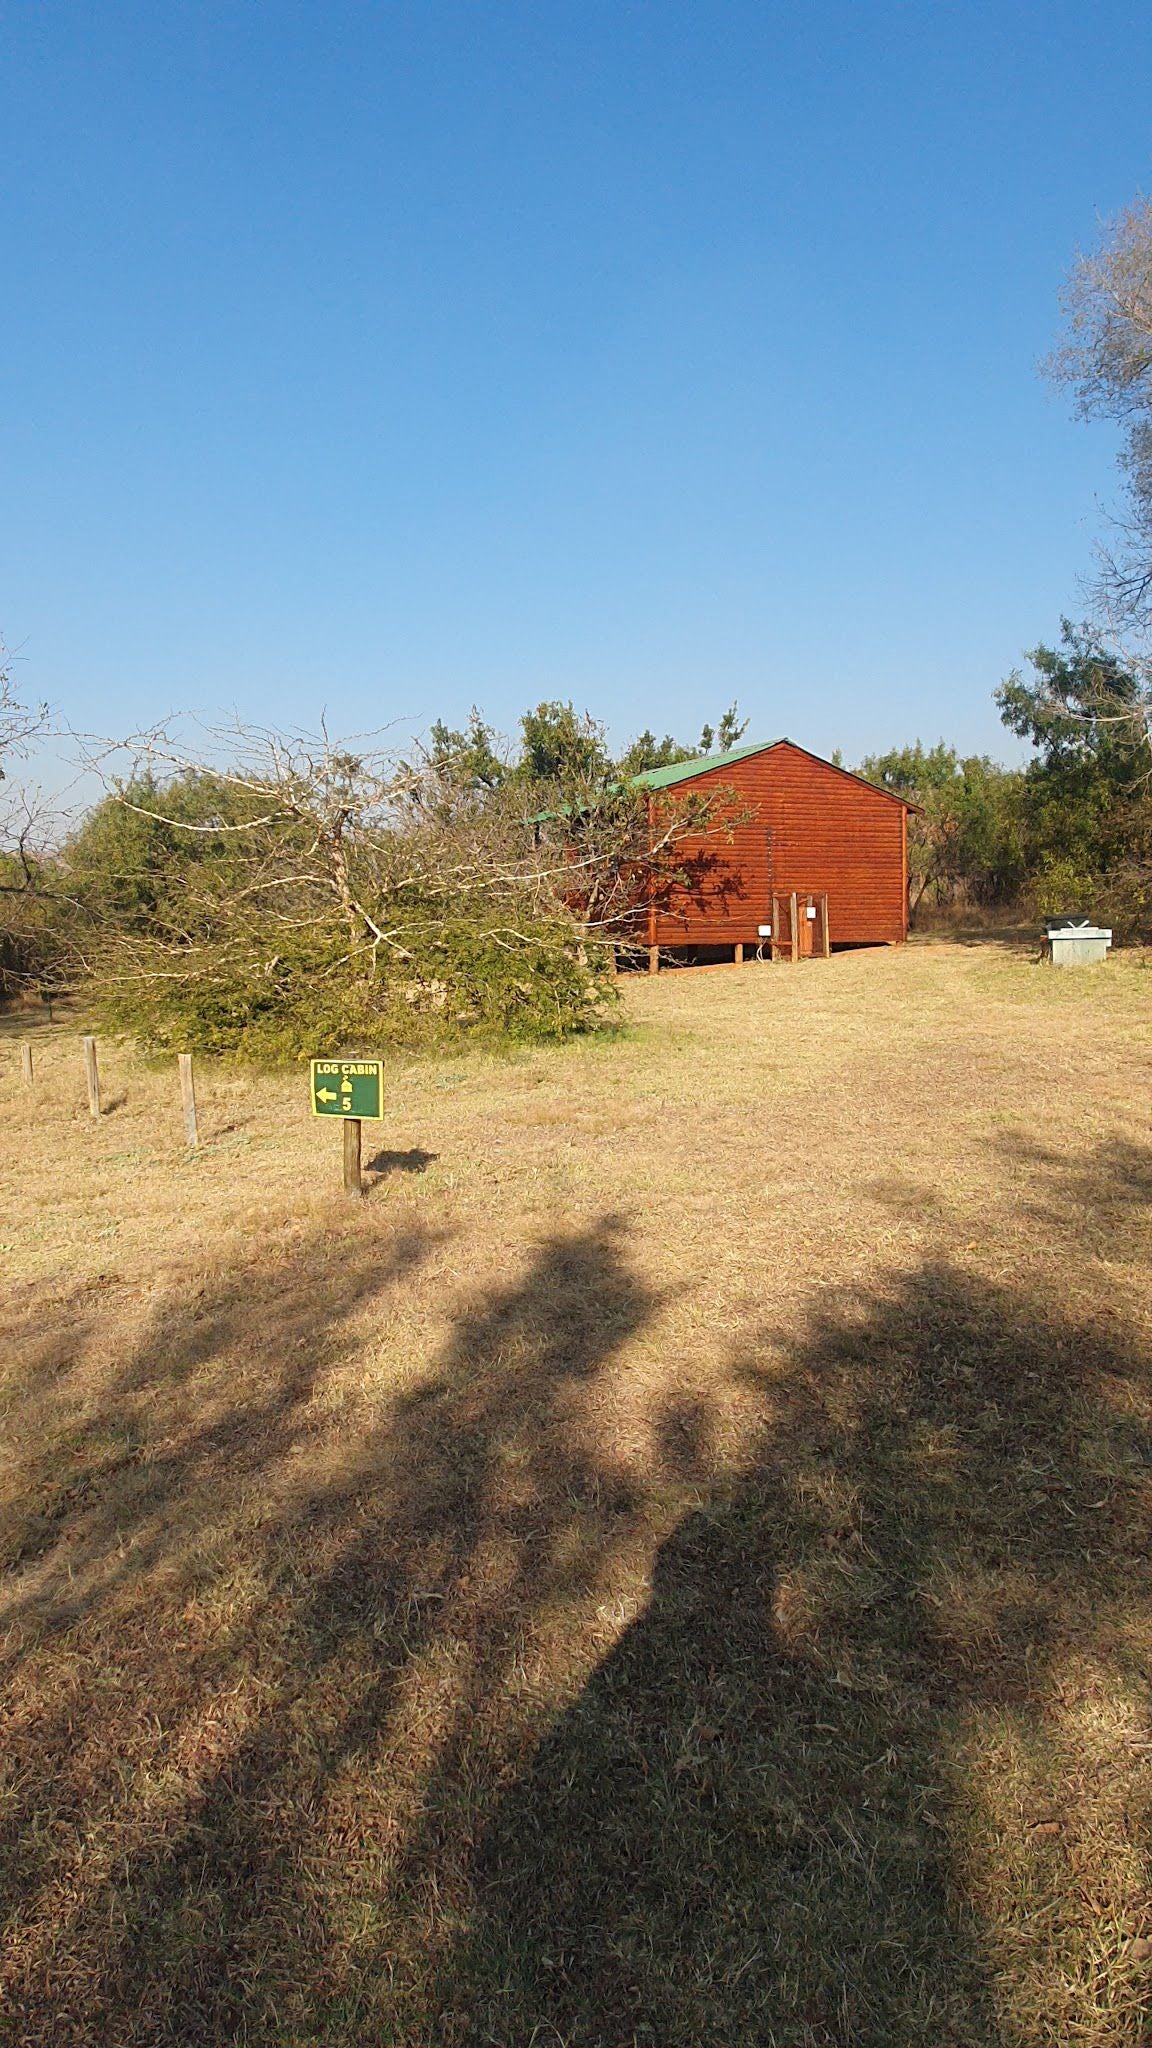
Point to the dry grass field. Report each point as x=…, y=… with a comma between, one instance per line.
x=670, y=1567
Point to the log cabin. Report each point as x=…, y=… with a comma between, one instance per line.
x=816, y=853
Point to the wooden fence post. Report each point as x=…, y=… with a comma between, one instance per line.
x=825, y=942
x=26, y=1062
x=774, y=941
x=188, y=1099
x=92, y=1076
x=795, y=934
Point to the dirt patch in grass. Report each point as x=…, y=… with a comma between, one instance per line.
x=671, y=1566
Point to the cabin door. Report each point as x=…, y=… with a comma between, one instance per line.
x=809, y=940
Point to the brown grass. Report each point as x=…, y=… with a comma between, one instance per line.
x=671, y=1567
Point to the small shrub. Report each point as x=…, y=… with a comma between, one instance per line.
x=1120, y=897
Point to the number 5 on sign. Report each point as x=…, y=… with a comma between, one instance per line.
x=350, y=1089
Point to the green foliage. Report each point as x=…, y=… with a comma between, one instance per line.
x=914, y=771
x=1086, y=802
x=563, y=750
x=32, y=938
x=646, y=751
x=965, y=840
x=728, y=733
x=1120, y=896
x=1084, y=711
x=471, y=759
x=137, y=853
x=27, y=944
x=562, y=746
x=216, y=928
x=458, y=978
x=1061, y=887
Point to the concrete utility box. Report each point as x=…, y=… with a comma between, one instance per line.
x=1075, y=942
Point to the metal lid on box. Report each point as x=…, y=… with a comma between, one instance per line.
x=1076, y=928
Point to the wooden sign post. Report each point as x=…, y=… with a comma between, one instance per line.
x=92, y=1076
x=188, y=1099
x=352, y=1090
x=353, y=1185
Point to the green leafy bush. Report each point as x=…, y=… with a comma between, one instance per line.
x=457, y=979
x=222, y=923
x=1120, y=897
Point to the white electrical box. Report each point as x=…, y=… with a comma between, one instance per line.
x=764, y=931
x=811, y=912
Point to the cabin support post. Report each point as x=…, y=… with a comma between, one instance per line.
x=738, y=949
x=795, y=932
x=774, y=941
x=653, y=959
x=825, y=943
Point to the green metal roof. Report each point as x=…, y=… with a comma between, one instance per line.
x=683, y=771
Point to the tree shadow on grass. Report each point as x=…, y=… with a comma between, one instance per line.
x=284, y=1760
x=249, y=1647
x=132, y=1463
x=841, y=1782
x=1090, y=1195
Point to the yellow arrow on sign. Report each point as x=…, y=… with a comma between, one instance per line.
x=325, y=1095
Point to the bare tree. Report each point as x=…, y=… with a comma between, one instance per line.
x=618, y=852
x=260, y=887
x=25, y=832
x=1106, y=360
x=245, y=877
x=21, y=813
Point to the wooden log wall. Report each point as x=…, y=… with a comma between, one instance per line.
x=813, y=830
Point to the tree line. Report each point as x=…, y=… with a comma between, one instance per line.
x=1071, y=831
x=267, y=892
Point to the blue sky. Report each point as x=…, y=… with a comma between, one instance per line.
x=394, y=358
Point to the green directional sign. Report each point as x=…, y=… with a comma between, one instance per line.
x=347, y=1088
